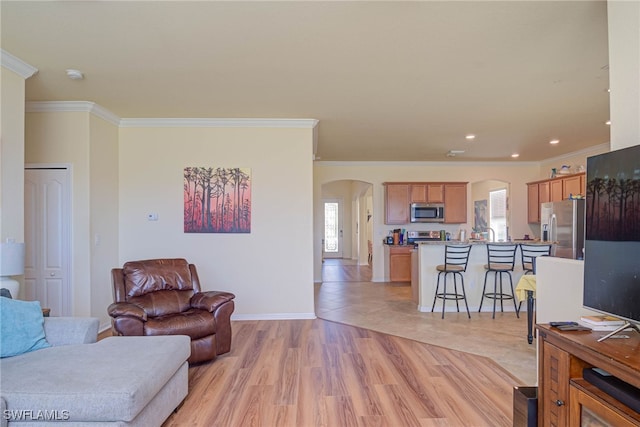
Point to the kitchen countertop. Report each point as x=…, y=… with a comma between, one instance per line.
x=481, y=242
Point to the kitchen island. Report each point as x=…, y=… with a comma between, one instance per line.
x=431, y=253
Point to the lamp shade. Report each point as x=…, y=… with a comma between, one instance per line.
x=11, y=259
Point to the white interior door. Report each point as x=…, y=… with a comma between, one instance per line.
x=47, y=230
x=332, y=240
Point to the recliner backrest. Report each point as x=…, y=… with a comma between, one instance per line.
x=142, y=277
x=159, y=286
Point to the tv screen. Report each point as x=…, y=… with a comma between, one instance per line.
x=612, y=233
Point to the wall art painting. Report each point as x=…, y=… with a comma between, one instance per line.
x=217, y=200
x=480, y=215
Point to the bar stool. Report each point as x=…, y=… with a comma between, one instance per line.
x=456, y=258
x=529, y=253
x=501, y=259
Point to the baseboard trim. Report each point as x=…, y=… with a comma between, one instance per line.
x=104, y=327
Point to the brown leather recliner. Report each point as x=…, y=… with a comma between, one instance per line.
x=163, y=297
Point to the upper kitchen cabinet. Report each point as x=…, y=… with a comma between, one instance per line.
x=427, y=193
x=552, y=190
x=573, y=185
x=396, y=201
x=555, y=190
x=400, y=195
x=455, y=203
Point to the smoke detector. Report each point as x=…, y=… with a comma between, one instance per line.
x=75, y=74
x=453, y=153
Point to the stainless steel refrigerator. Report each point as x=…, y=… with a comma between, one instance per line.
x=564, y=225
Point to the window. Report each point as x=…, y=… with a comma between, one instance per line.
x=498, y=214
x=331, y=228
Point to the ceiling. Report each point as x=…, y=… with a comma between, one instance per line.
x=387, y=80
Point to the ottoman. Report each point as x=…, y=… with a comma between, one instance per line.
x=119, y=381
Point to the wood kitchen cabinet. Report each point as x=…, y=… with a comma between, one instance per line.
x=565, y=398
x=455, y=203
x=533, y=203
x=427, y=193
x=396, y=203
x=400, y=263
x=555, y=190
x=552, y=190
x=537, y=193
x=400, y=195
x=573, y=185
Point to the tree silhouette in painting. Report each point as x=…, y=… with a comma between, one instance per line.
x=613, y=199
x=217, y=200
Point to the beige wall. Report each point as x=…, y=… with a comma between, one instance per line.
x=270, y=269
x=573, y=160
x=90, y=146
x=624, y=72
x=11, y=156
x=103, y=206
x=63, y=138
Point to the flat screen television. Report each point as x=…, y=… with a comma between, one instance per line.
x=612, y=234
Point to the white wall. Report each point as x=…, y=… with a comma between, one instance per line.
x=270, y=270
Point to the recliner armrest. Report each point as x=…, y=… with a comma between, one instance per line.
x=211, y=300
x=118, y=309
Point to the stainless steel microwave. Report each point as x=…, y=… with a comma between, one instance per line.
x=427, y=212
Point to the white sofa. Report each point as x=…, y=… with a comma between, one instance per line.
x=118, y=381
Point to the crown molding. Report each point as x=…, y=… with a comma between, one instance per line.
x=449, y=164
x=221, y=123
x=17, y=65
x=97, y=110
x=72, y=107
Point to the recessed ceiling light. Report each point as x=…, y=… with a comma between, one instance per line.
x=608, y=122
x=470, y=137
x=514, y=155
x=554, y=141
x=75, y=74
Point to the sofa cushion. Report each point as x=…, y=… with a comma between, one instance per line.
x=105, y=381
x=146, y=276
x=21, y=327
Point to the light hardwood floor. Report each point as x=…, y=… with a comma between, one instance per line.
x=321, y=373
x=326, y=373
x=387, y=307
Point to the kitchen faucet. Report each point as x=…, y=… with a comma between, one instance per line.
x=493, y=234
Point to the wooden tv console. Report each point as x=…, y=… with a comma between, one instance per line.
x=564, y=397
